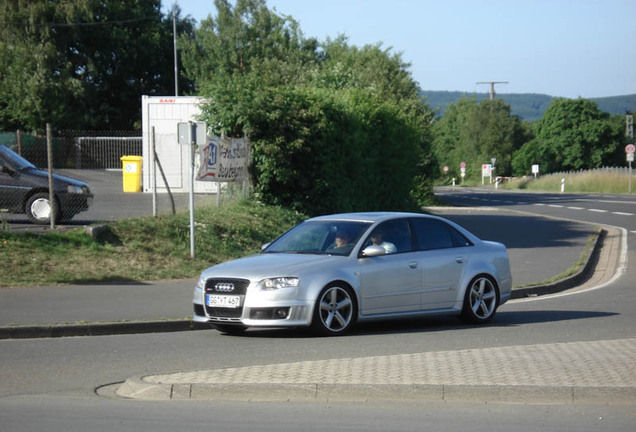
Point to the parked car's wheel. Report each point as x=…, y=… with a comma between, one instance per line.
x=481, y=300
x=38, y=208
x=335, y=310
x=230, y=328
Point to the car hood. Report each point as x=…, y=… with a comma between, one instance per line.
x=40, y=174
x=266, y=265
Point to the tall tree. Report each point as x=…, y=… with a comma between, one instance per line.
x=574, y=134
x=475, y=133
x=83, y=64
x=333, y=127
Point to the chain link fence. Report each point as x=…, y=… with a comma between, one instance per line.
x=91, y=179
x=83, y=163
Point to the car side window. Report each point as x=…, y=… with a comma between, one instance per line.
x=394, y=236
x=435, y=234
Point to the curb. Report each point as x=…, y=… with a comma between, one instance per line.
x=98, y=329
x=137, y=388
x=591, y=260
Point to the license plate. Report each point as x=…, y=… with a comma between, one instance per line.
x=223, y=301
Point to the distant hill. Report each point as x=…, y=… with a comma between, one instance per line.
x=528, y=106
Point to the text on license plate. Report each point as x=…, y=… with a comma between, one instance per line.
x=225, y=301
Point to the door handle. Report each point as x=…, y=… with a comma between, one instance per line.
x=459, y=260
x=413, y=264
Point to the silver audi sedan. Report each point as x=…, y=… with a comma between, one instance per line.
x=329, y=272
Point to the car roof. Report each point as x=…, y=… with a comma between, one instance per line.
x=369, y=216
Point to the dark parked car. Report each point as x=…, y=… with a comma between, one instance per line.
x=24, y=189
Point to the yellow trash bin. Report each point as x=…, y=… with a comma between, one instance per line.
x=131, y=167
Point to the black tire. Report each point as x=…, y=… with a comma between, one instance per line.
x=38, y=208
x=335, y=311
x=481, y=300
x=230, y=328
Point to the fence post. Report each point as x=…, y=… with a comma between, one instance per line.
x=78, y=153
x=49, y=155
x=19, y=138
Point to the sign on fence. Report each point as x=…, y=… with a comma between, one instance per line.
x=223, y=160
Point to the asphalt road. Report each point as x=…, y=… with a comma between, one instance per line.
x=50, y=383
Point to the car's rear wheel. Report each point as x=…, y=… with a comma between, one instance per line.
x=481, y=300
x=38, y=208
x=335, y=311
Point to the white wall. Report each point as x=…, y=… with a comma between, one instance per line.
x=164, y=113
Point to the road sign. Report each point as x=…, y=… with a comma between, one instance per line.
x=191, y=133
x=630, y=148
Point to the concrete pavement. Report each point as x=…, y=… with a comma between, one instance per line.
x=600, y=372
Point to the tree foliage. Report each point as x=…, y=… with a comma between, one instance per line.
x=83, y=64
x=474, y=133
x=333, y=127
x=573, y=134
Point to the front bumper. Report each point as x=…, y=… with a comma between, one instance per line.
x=296, y=315
x=257, y=308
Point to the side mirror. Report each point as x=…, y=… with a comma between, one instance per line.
x=263, y=247
x=371, y=251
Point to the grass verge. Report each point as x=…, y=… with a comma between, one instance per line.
x=582, y=182
x=141, y=249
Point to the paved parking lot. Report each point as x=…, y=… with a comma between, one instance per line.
x=110, y=201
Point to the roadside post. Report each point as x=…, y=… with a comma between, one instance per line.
x=629, y=150
x=486, y=171
x=192, y=134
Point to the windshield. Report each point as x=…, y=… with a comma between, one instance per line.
x=14, y=159
x=320, y=237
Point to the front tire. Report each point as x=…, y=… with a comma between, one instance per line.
x=335, y=311
x=38, y=208
x=481, y=300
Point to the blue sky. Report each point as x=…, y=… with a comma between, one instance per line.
x=566, y=48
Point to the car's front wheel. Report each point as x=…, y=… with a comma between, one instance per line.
x=335, y=310
x=38, y=208
x=481, y=300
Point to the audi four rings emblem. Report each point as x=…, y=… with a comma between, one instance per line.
x=224, y=287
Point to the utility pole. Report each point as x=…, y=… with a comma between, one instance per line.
x=174, y=44
x=492, y=86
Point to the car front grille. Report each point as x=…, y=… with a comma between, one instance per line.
x=230, y=287
x=226, y=286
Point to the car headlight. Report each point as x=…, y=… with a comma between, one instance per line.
x=278, y=283
x=74, y=189
x=200, y=284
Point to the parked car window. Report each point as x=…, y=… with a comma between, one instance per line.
x=434, y=234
